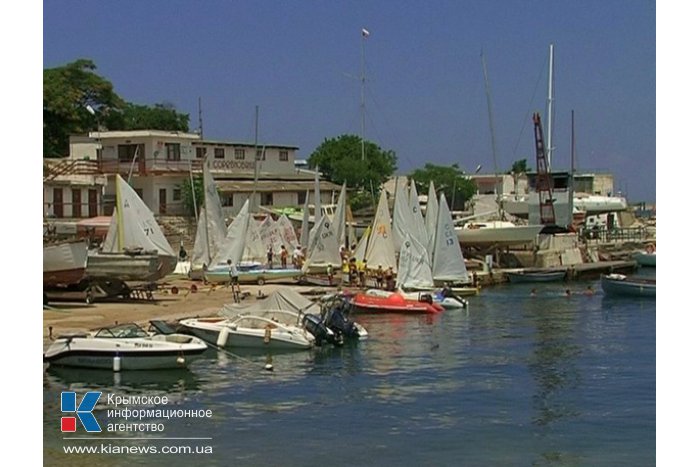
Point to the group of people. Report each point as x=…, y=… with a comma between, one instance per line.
x=298, y=257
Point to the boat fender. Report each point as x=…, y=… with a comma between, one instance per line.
x=223, y=337
x=268, y=334
x=180, y=360
x=117, y=363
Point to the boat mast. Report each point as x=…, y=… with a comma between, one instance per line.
x=120, y=220
x=550, y=100
x=255, y=179
x=490, y=109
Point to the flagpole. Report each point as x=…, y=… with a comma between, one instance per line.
x=364, y=34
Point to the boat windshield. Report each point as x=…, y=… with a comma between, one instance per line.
x=122, y=331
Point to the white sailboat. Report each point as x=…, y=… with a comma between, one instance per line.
x=211, y=227
x=339, y=220
x=324, y=249
x=402, y=218
x=418, y=223
x=414, y=266
x=448, y=262
x=135, y=248
x=431, y=215
x=380, y=246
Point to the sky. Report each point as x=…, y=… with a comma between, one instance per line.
x=301, y=62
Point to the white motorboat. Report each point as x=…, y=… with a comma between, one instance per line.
x=124, y=347
x=497, y=232
x=275, y=330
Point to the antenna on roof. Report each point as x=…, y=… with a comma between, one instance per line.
x=201, y=125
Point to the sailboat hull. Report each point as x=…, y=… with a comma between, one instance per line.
x=129, y=267
x=64, y=263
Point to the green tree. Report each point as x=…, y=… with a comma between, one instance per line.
x=340, y=159
x=68, y=91
x=188, y=196
x=162, y=116
x=448, y=179
x=519, y=167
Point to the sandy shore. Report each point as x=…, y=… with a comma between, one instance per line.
x=71, y=317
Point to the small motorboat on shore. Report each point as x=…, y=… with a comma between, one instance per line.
x=394, y=303
x=620, y=284
x=437, y=296
x=124, y=347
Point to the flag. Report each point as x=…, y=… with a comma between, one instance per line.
x=365, y=33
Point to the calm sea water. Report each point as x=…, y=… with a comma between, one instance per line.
x=516, y=380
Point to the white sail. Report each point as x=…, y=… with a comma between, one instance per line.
x=234, y=244
x=380, y=247
x=403, y=218
x=211, y=227
x=414, y=268
x=431, y=215
x=133, y=225
x=305, y=224
x=339, y=217
x=448, y=262
x=361, y=249
x=286, y=229
x=271, y=235
x=324, y=248
x=418, y=225
x=255, y=251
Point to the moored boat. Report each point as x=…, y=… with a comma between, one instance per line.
x=620, y=284
x=222, y=275
x=536, y=276
x=124, y=347
x=394, y=303
x=251, y=331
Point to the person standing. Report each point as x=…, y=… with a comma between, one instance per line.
x=235, y=286
x=283, y=257
x=270, y=255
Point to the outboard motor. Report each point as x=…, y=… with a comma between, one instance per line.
x=322, y=333
x=337, y=320
x=425, y=298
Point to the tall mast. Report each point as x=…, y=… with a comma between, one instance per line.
x=255, y=179
x=364, y=34
x=120, y=219
x=488, y=102
x=550, y=99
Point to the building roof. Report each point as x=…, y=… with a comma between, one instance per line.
x=273, y=185
x=143, y=134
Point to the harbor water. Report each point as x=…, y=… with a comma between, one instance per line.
x=518, y=379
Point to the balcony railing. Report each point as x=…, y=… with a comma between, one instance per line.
x=148, y=166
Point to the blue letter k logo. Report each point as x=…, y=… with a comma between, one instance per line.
x=84, y=410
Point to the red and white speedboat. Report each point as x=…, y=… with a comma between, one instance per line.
x=393, y=303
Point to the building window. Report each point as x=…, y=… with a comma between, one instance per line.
x=260, y=155
x=177, y=194
x=284, y=156
x=172, y=151
x=239, y=154
x=201, y=153
x=266, y=199
x=218, y=153
x=126, y=152
x=139, y=192
x=301, y=198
